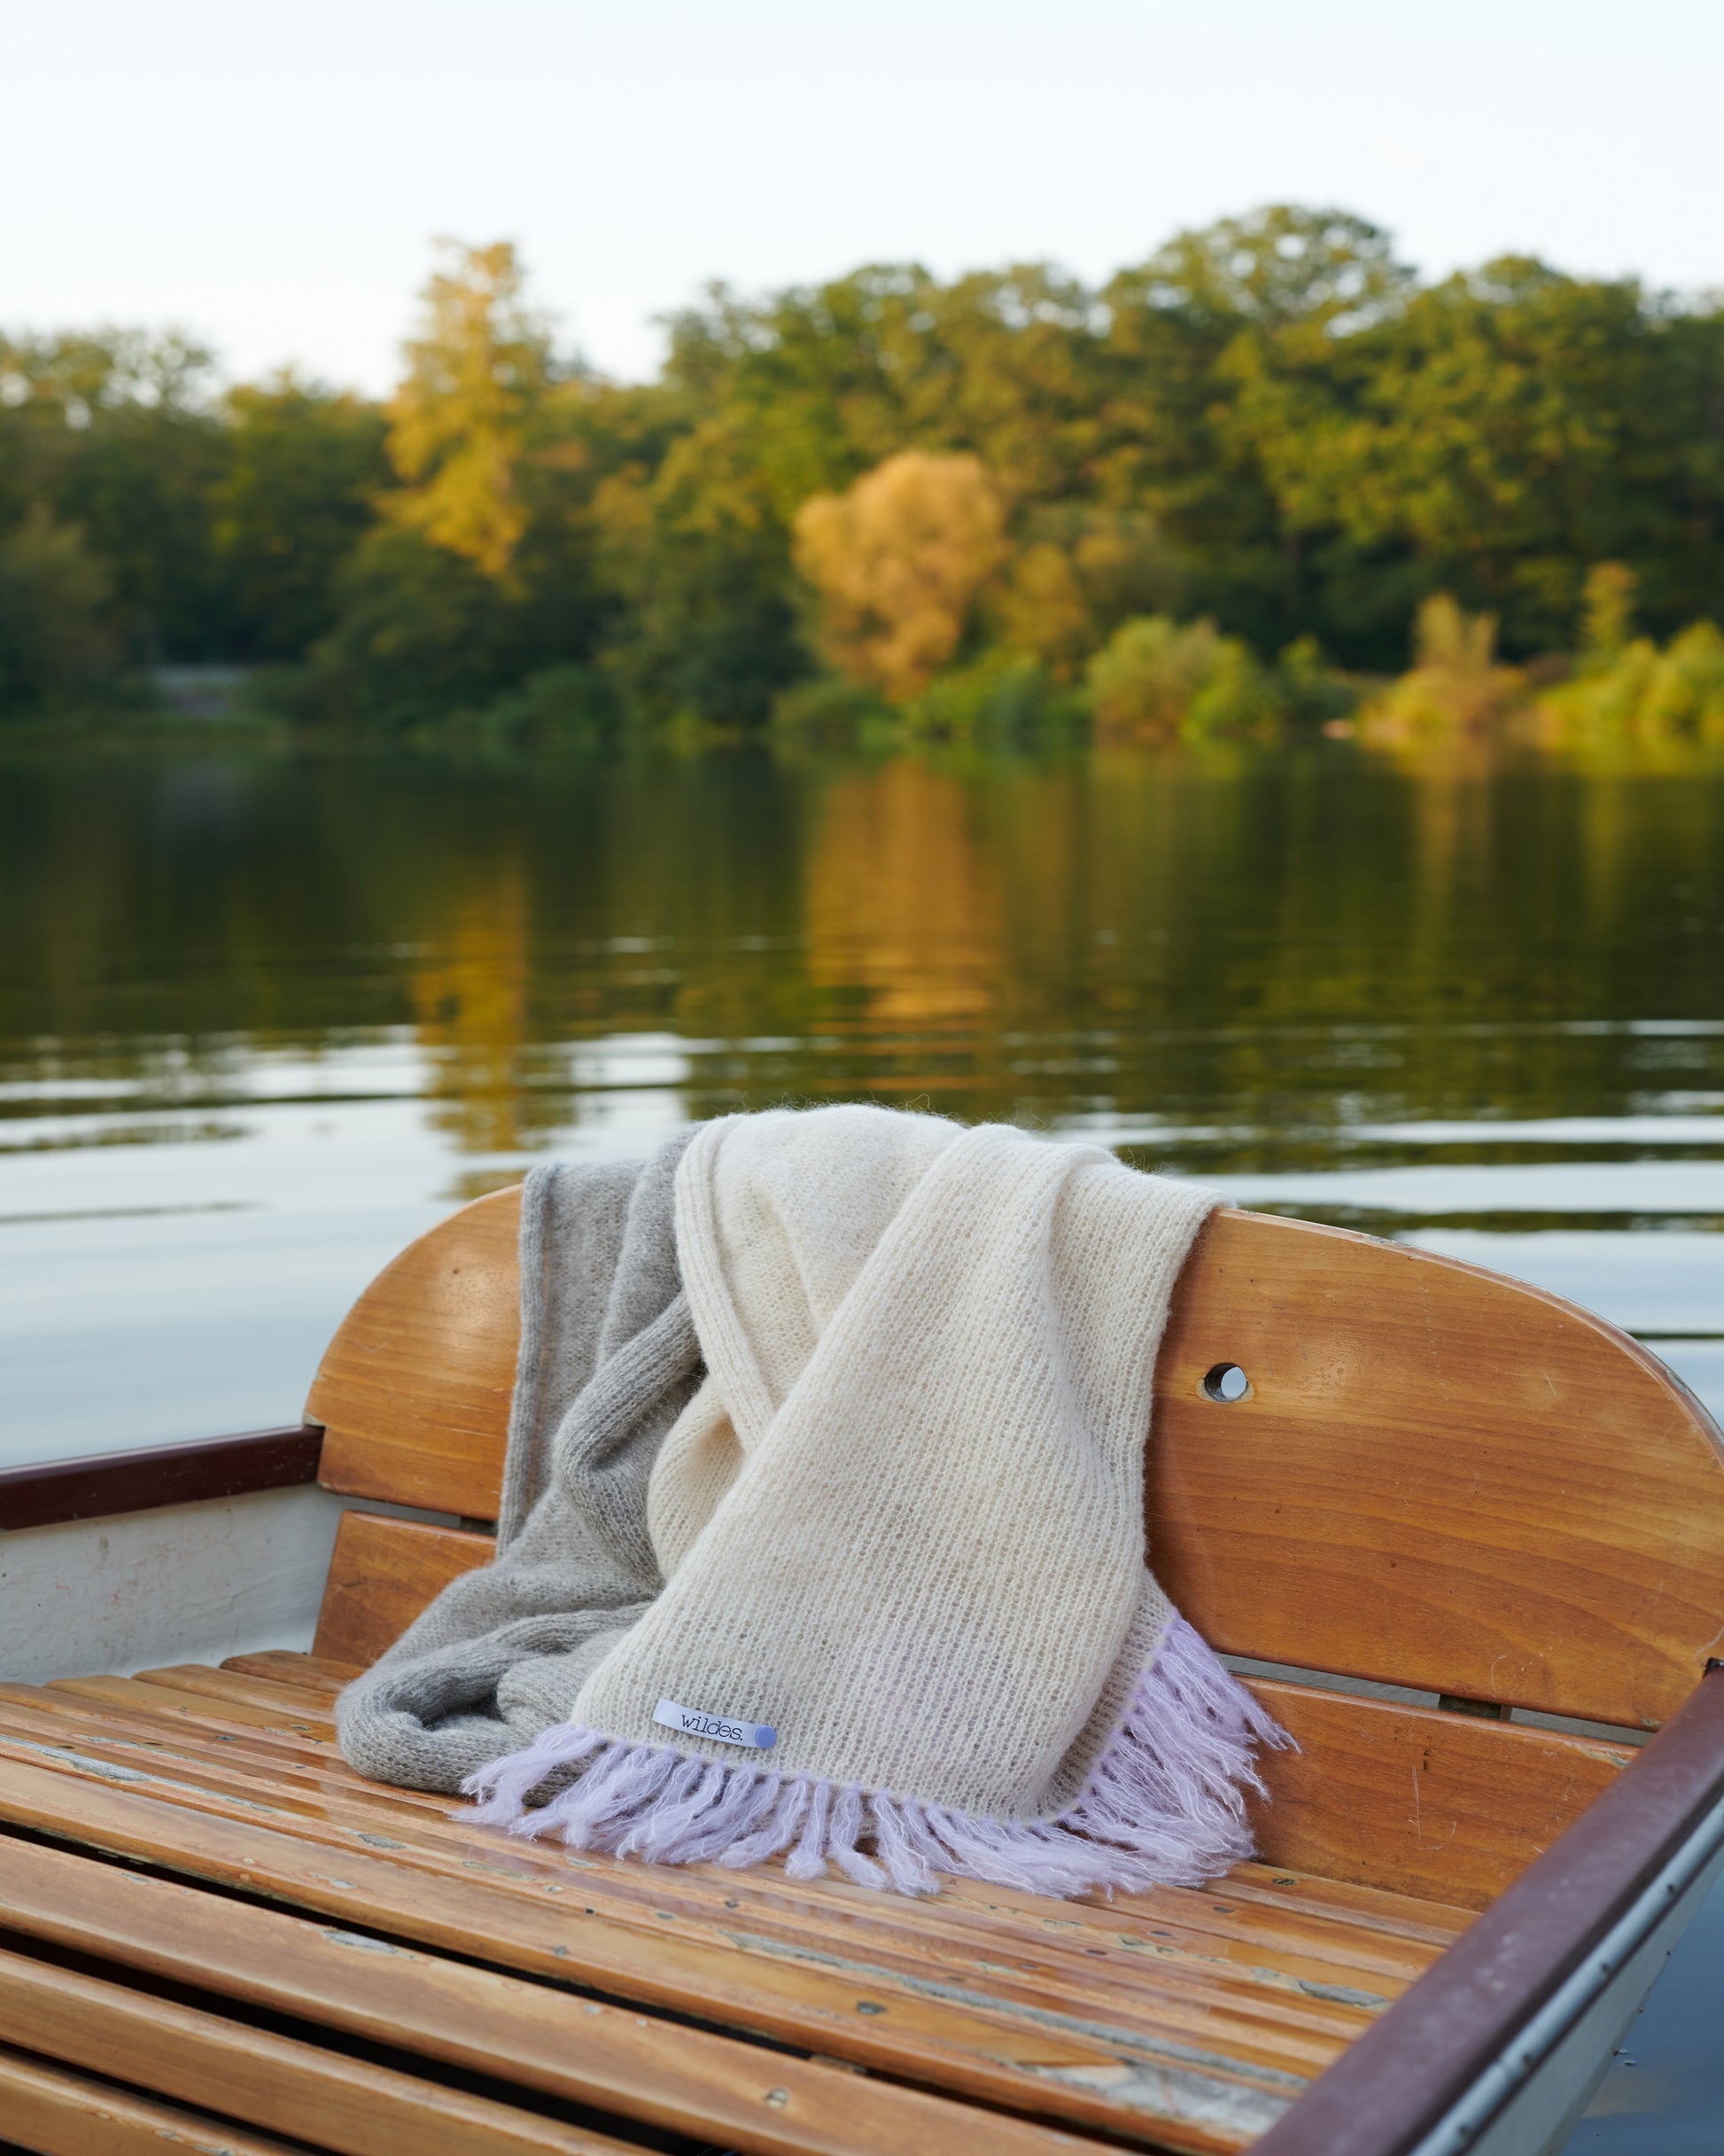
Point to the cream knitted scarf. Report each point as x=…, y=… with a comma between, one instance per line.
x=901, y=1526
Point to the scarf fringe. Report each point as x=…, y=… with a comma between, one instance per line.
x=1164, y=1804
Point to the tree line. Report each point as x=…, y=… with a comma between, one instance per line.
x=1216, y=491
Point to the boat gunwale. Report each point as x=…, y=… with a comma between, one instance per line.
x=105, y=1485
x=1400, y=2079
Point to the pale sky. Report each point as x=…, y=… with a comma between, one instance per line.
x=270, y=177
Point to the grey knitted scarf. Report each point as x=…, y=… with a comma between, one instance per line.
x=608, y=1361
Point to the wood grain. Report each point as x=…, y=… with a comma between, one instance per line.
x=1267, y=1975
x=307, y=1672
x=1439, y=1478
x=1191, y=2072
x=414, y=1390
x=533, y=2035
x=59, y=2113
x=1259, y=1985
x=309, y=1710
x=1270, y=1968
x=134, y=1718
x=290, y=1719
x=182, y=2053
x=381, y=1575
x=1424, y=1804
x=1270, y=1931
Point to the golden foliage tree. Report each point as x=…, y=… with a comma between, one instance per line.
x=460, y=421
x=899, y=560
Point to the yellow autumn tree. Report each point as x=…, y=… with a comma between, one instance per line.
x=460, y=423
x=897, y=561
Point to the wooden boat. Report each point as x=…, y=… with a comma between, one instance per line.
x=1467, y=1539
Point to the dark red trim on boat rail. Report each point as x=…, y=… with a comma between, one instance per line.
x=51, y=1491
x=1398, y=2080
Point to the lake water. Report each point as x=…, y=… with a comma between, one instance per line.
x=265, y=1017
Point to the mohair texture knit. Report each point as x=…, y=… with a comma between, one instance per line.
x=608, y=1360
x=901, y=1527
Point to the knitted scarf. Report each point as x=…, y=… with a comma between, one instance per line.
x=906, y=1625
x=609, y=1360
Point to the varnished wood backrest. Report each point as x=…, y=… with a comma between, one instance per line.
x=1437, y=1476
x=414, y=1391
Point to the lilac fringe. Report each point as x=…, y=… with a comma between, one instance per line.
x=1164, y=1805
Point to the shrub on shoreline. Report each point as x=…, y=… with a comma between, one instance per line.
x=1625, y=688
x=1159, y=679
x=1455, y=685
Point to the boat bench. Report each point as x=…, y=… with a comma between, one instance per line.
x=1416, y=1502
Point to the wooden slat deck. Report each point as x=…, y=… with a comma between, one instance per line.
x=221, y=2064
x=1191, y=2019
x=63, y=2113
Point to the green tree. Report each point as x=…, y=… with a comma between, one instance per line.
x=1268, y=425
x=1502, y=431
x=1455, y=685
x=55, y=642
x=1157, y=679
x=304, y=467
x=118, y=432
x=419, y=632
x=695, y=558
x=1276, y=268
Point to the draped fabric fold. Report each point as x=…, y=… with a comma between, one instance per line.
x=906, y=1623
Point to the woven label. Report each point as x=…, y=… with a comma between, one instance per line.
x=759, y=1735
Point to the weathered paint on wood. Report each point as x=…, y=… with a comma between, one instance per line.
x=1103, y=2027
x=1276, y=1932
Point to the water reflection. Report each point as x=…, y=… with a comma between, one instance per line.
x=1460, y=1001
x=903, y=916
x=1290, y=946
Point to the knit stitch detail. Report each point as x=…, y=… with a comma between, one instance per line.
x=930, y=1356
x=1163, y=1806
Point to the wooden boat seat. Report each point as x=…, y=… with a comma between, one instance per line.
x=1434, y=1480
